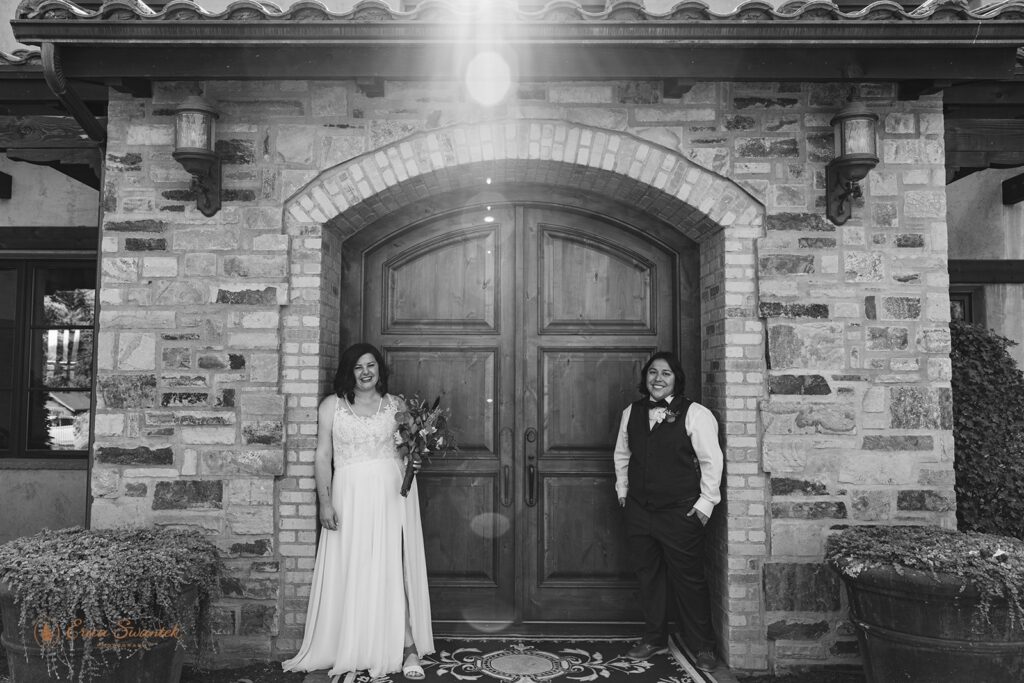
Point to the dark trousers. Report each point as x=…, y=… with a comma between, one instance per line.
x=667, y=549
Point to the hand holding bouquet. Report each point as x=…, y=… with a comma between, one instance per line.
x=422, y=431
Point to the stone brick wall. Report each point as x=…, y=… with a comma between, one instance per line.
x=219, y=335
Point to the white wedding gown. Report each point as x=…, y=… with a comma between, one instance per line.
x=364, y=570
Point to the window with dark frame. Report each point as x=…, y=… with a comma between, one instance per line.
x=967, y=304
x=47, y=331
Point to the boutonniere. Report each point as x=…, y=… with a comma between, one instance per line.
x=664, y=415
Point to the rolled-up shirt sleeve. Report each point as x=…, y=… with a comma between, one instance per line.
x=621, y=456
x=702, y=427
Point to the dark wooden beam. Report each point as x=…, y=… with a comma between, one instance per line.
x=537, y=61
x=81, y=238
x=6, y=186
x=986, y=272
x=35, y=132
x=1013, y=190
x=913, y=90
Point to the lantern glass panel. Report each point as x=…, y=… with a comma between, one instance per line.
x=194, y=130
x=860, y=136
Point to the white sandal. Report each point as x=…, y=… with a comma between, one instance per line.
x=413, y=672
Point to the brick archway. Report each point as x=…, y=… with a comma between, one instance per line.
x=712, y=210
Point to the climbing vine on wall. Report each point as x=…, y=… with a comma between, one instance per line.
x=988, y=429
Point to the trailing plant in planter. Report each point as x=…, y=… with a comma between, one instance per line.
x=931, y=604
x=988, y=431
x=89, y=598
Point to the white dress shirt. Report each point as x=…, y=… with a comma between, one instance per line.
x=702, y=428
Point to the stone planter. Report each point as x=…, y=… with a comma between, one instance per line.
x=916, y=628
x=158, y=660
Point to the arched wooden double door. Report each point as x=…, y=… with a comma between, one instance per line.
x=531, y=322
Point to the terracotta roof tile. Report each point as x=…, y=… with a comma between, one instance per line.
x=555, y=11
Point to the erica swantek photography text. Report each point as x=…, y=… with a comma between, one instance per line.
x=124, y=634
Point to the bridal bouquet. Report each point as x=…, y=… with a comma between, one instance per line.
x=422, y=431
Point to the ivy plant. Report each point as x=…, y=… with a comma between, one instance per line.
x=988, y=430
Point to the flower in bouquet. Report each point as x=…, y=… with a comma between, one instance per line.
x=423, y=431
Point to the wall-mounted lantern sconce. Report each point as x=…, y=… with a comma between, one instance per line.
x=856, y=154
x=193, y=149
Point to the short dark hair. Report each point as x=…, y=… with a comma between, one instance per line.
x=345, y=378
x=673, y=364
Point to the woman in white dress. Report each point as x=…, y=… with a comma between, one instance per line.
x=368, y=606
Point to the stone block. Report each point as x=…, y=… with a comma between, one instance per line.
x=862, y=266
x=806, y=418
x=781, y=309
x=145, y=244
x=888, y=338
x=208, y=435
x=879, y=442
x=797, y=630
x=871, y=506
x=256, y=589
x=251, y=520
x=267, y=432
x=813, y=385
x=135, y=490
x=258, y=618
x=256, y=266
x=925, y=500
x=139, y=455
x=870, y=469
x=815, y=510
x=901, y=308
x=136, y=351
x=804, y=222
x=921, y=408
x=260, y=547
x=934, y=340
x=783, y=455
x=247, y=462
x=785, y=486
x=127, y=391
x=143, y=225
x=811, y=345
x=234, y=151
x=796, y=539
x=800, y=587
x=188, y=495
x=183, y=398
x=258, y=296
x=179, y=293
x=767, y=147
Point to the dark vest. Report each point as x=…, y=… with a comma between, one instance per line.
x=663, y=467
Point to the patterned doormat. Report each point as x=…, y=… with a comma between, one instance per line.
x=539, y=661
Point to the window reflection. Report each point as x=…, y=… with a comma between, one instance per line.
x=65, y=359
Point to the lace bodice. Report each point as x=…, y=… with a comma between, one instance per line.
x=358, y=438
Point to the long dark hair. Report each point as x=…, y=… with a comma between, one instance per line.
x=673, y=364
x=345, y=378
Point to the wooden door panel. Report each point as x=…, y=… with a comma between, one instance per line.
x=446, y=285
x=583, y=394
x=464, y=379
x=454, y=501
x=581, y=533
x=593, y=286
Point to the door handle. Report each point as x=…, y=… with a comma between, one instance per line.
x=530, y=440
x=504, y=453
x=531, y=485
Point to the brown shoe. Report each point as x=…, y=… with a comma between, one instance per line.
x=646, y=651
x=706, y=661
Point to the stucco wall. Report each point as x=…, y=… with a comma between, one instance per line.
x=41, y=196
x=982, y=227
x=213, y=351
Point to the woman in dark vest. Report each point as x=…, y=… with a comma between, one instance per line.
x=668, y=469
